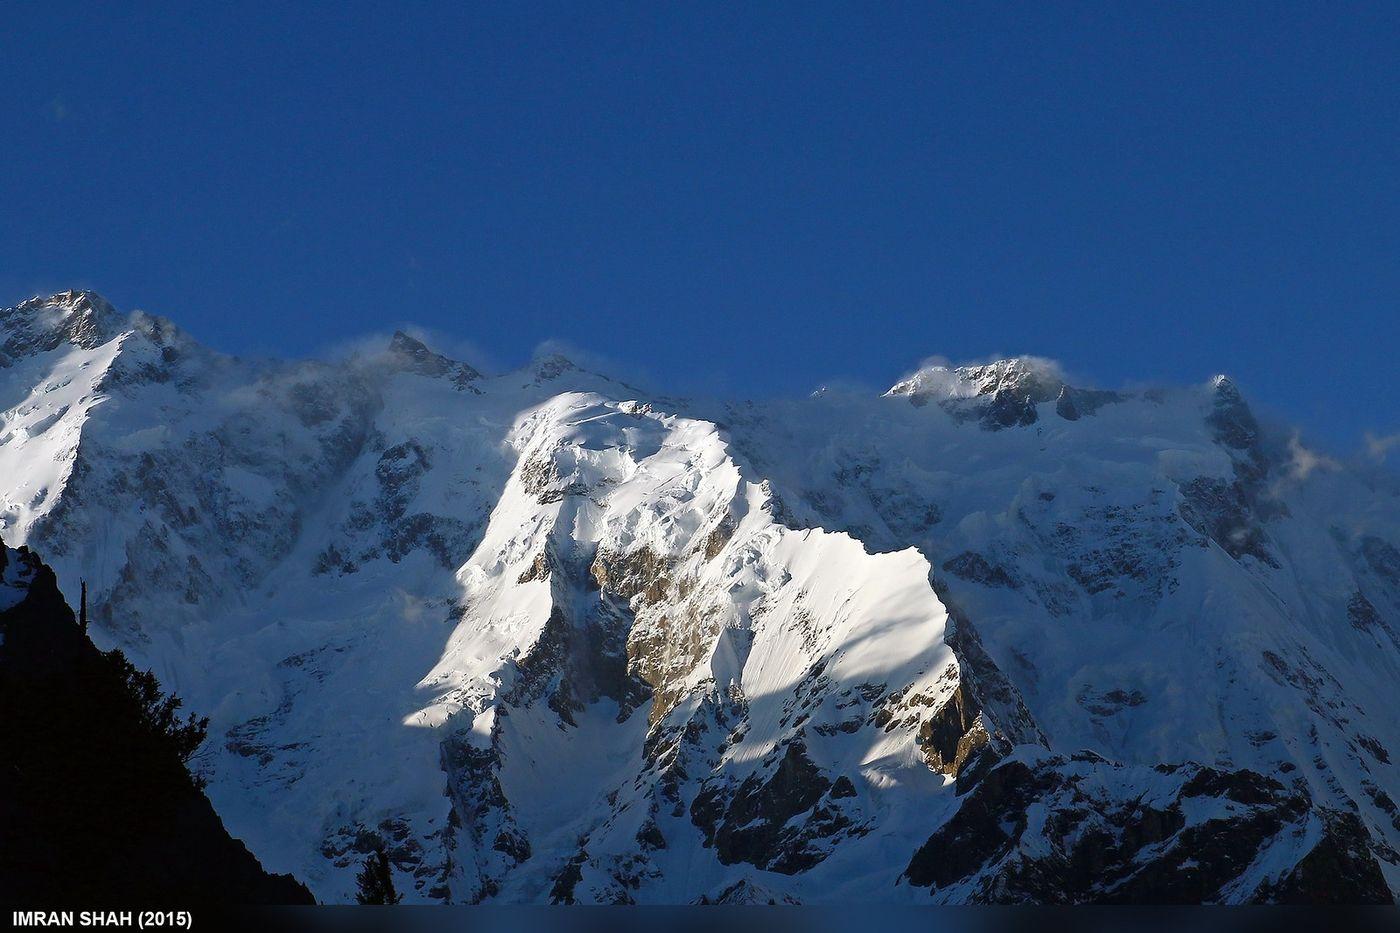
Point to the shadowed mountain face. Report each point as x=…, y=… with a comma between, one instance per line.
x=96, y=805
x=545, y=638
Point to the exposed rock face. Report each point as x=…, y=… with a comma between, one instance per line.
x=1220, y=511
x=411, y=355
x=1230, y=418
x=954, y=732
x=95, y=807
x=754, y=822
x=973, y=567
x=546, y=641
x=1003, y=394
x=1024, y=377
x=1072, y=404
x=40, y=325
x=746, y=893
x=1049, y=829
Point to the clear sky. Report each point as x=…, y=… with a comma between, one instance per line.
x=747, y=198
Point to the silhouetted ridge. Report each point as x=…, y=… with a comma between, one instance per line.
x=96, y=803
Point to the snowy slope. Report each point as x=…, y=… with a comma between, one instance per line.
x=550, y=639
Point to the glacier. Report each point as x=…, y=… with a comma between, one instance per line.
x=549, y=637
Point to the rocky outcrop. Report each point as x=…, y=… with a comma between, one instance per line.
x=973, y=567
x=955, y=732
x=776, y=819
x=1220, y=511
x=1002, y=394
x=1072, y=404
x=410, y=355
x=1051, y=829
x=40, y=325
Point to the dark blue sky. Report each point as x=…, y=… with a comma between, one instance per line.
x=741, y=198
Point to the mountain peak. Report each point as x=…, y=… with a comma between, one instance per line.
x=78, y=317
x=1001, y=393
x=551, y=366
x=78, y=301
x=411, y=355
x=403, y=343
x=1230, y=416
x=1039, y=379
x=1225, y=387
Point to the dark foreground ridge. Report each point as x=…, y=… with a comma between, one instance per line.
x=96, y=803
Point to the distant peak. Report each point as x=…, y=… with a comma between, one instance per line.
x=1039, y=379
x=1224, y=386
x=1230, y=417
x=551, y=366
x=403, y=343
x=1001, y=393
x=79, y=299
x=78, y=317
x=80, y=306
x=411, y=355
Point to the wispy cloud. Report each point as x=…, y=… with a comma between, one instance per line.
x=1303, y=462
x=1379, y=447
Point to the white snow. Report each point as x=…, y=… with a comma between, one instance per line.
x=335, y=562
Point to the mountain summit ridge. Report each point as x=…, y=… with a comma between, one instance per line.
x=831, y=648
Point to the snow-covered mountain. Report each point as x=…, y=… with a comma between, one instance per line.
x=988, y=637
